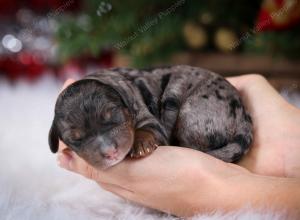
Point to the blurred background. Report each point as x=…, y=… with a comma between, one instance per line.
x=43, y=42
x=65, y=37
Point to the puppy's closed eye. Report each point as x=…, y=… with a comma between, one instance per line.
x=74, y=135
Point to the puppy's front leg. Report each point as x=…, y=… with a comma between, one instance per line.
x=144, y=143
x=147, y=138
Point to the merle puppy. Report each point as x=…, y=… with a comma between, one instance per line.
x=118, y=112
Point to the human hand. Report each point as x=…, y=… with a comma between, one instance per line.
x=175, y=180
x=185, y=182
x=276, y=144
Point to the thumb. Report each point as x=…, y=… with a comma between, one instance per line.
x=69, y=160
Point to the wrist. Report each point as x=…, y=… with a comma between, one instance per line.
x=273, y=193
x=223, y=187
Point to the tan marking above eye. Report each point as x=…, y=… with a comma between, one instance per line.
x=107, y=115
x=76, y=134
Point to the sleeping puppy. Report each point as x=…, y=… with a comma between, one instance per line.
x=118, y=112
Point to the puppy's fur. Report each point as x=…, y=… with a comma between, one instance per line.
x=109, y=114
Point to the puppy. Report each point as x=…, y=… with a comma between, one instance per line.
x=120, y=111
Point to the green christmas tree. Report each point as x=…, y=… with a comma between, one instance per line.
x=149, y=31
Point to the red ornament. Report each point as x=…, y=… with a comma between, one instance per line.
x=9, y=7
x=106, y=59
x=24, y=65
x=10, y=68
x=278, y=15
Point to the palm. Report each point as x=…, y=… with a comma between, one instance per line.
x=276, y=129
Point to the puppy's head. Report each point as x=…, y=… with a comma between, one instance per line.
x=92, y=120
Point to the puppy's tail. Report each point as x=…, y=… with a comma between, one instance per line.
x=233, y=152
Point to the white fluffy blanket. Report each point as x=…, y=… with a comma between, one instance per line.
x=32, y=186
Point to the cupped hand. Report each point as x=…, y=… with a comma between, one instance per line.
x=175, y=180
x=276, y=144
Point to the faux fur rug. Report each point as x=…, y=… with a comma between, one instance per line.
x=32, y=186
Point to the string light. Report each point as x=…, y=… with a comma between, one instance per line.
x=11, y=43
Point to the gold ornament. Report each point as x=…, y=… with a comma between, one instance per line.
x=195, y=35
x=270, y=5
x=283, y=15
x=225, y=39
x=206, y=18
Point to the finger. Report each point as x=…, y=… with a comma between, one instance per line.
x=121, y=174
x=233, y=80
x=76, y=164
x=253, y=85
x=64, y=155
x=122, y=192
x=63, y=159
x=126, y=193
x=70, y=161
x=62, y=146
x=67, y=83
x=244, y=81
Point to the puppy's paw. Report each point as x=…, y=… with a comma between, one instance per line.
x=144, y=144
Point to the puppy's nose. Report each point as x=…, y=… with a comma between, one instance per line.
x=110, y=152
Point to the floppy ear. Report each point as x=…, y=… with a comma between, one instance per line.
x=120, y=85
x=126, y=93
x=53, y=138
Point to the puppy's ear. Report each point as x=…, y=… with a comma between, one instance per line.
x=53, y=138
x=127, y=95
x=120, y=85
